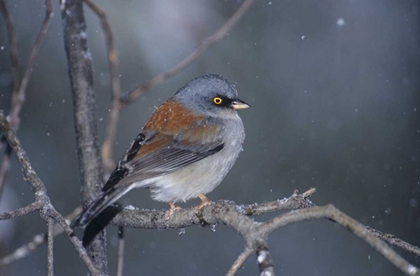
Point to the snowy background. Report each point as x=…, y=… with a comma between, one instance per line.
x=334, y=90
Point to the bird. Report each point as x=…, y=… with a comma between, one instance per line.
x=184, y=151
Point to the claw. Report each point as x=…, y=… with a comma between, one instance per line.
x=172, y=209
x=204, y=202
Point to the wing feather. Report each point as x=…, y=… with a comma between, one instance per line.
x=159, y=149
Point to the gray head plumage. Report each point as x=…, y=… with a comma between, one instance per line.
x=198, y=94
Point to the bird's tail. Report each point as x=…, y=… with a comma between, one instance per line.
x=95, y=208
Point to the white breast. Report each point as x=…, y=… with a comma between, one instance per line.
x=204, y=175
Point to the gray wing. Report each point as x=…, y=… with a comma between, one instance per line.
x=155, y=154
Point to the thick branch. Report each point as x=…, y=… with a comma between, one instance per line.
x=212, y=215
x=254, y=233
x=81, y=77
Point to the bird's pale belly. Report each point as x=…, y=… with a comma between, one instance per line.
x=198, y=178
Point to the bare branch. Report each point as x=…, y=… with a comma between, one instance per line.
x=347, y=222
x=37, y=241
x=28, y=173
x=81, y=77
x=5, y=167
x=205, y=44
x=76, y=242
x=12, y=44
x=265, y=264
x=395, y=241
x=119, y=102
x=254, y=233
x=19, y=88
x=40, y=191
x=50, y=255
x=239, y=262
x=107, y=146
x=19, y=98
x=25, y=250
x=34, y=206
x=236, y=217
x=296, y=201
x=6, y=162
x=121, y=245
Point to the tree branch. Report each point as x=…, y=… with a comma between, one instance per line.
x=81, y=78
x=107, y=146
x=121, y=245
x=254, y=233
x=205, y=44
x=50, y=255
x=34, y=206
x=212, y=214
x=239, y=261
x=391, y=239
x=19, y=87
x=265, y=264
x=14, y=56
x=119, y=102
x=47, y=211
x=37, y=241
x=330, y=212
x=19, y=98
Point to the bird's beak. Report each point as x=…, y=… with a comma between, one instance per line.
x=239, y=104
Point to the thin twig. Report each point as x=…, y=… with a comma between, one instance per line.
x=19, y=98
x=107, y=146
x=40, y=191
x=34, y=206
x=28, y=172
x=205, y=44
x=76, y=242
x=50, y=255
x=6, y=162
x=121, y=245
x=19, y=87
x=391, y=239
x=14, y=57
x=296, y=201
x=37, y=241
x=239, y=262
x=5, y=166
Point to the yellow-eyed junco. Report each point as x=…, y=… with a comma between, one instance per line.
x=185, y=149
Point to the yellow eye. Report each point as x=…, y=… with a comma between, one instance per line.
x=217, y=100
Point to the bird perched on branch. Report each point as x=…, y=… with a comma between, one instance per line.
x=185, y=149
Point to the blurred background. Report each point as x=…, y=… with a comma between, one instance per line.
x=334, y=89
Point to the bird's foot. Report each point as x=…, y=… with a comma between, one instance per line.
x=172, y=209
x=204, y=202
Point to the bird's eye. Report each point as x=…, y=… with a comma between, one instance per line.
x=217, y=100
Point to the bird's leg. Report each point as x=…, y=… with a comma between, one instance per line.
x=172, y=209
x=204, y=202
